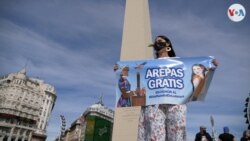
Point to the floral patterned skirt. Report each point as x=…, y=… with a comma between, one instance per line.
x=163, y=122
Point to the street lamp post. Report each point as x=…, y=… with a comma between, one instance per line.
x=247, y=111
x=214, y=135
x=63, y=125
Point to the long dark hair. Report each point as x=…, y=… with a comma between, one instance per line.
x=158, y=47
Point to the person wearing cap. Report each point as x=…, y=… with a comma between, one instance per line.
x=203, y=135
x=226, y=136
x=245, y=136
x=162, y=122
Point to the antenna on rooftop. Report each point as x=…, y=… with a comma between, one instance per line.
x=100, y=100
x=24, y=70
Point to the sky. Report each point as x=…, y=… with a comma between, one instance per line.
x=73, y=45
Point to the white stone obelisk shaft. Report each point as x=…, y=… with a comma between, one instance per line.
x=135, y=40
x=136, y=31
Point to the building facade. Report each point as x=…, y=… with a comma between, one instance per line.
x=25, y=106
x=95, y=124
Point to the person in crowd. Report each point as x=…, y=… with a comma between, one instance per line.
x=226, y=136
x=245, y=136
x=203, y=135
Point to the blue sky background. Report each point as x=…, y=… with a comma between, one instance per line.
x=73, y=45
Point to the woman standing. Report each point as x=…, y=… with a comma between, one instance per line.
x=163, y=122
x=124, y=87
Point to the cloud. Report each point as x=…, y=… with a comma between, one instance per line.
x=48, y=57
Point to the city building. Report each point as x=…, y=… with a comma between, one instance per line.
x=95, y=124
x=25, y=106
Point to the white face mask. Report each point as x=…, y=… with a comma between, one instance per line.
x=124, y=77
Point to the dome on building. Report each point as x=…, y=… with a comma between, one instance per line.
x=99, y=109
x=99, y=104
x=96, y=105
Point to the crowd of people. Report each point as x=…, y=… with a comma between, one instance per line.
x=203, y=135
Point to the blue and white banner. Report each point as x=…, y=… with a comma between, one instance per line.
x=175, y=80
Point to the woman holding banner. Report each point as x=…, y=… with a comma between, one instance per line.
x=162, y=122
x=165, y=121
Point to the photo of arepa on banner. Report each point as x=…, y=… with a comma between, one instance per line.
x=175, y=80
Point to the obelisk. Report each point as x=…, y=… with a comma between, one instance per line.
x=135, y=40
x=136, y=31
